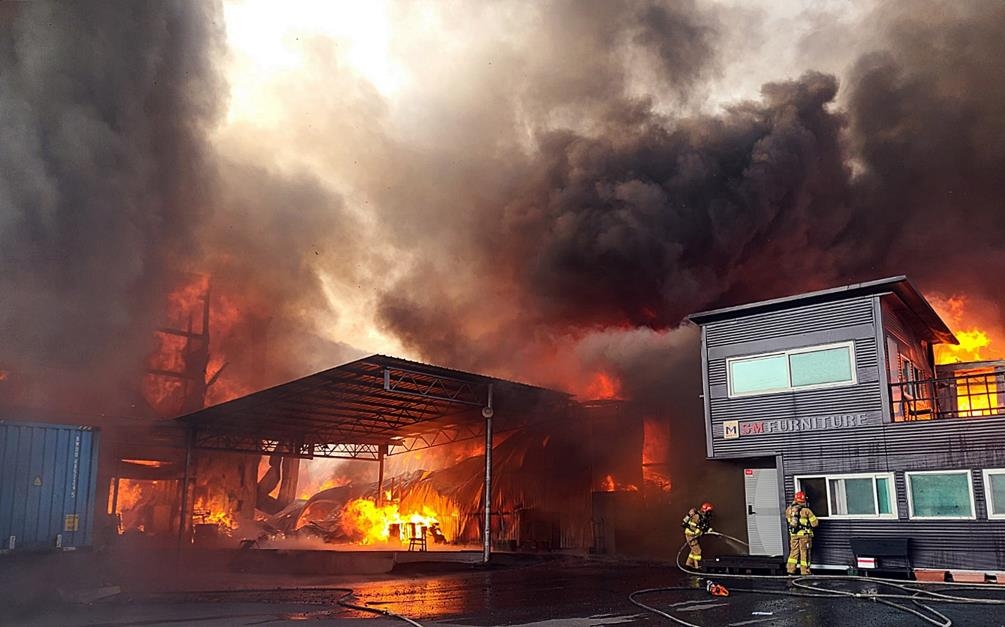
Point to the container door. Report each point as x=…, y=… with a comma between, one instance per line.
x=764, y=527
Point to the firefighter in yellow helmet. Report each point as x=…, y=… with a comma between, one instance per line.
x=697, y=523
x=801, y=522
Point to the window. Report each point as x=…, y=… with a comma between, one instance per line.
x=850, y=496
x=759, y=374
x=796, y=369
x=940, y=494
x=994, y=489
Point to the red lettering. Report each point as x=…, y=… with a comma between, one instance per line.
x=751, y=428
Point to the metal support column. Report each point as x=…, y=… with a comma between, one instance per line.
x=189, y=436
x=115, y=496
x=380, y=475
x=487, y=412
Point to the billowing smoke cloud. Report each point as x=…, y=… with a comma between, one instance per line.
x=111, y=194
x=926, y=128
x=629, y=216
x=547, y=195
x=638, y=218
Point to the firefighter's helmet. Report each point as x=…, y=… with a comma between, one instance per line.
x=800, y=497
x=706, y=507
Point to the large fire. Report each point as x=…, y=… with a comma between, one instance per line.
x=185, y=364
x=143, y=505
x=978, y=340
x=209, y=511
x=602, y=386
x=367, y=523
x=976, y=389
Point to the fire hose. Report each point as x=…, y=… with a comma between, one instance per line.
x=342, y=601
x=365, y=608
x=810, y=586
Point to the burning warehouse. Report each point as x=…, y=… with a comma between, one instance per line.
x=561, y=474
x=840, y=394
x=549, y=456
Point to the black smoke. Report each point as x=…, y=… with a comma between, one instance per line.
x=639, y=215
x=105, y=175
x=113, y=194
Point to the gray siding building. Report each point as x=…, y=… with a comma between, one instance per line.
x=837, y=393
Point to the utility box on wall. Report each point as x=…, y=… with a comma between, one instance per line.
x=48, y=479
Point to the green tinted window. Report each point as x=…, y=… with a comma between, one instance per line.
x=860, y=496
x=852, y=497
x=941, y=495
x=761, y=374
x=997, y=492
x=883, y=492
x=832, y=365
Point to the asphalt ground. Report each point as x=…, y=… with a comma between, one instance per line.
x=551, y=592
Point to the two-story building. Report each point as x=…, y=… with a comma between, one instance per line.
x=837, y=393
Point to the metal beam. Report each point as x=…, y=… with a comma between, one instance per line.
x=239, y=443
x=431, y=386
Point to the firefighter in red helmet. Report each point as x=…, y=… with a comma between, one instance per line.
x=801, y=522
x=697, y=523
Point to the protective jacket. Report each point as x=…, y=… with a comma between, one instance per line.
x=696, y=523
x=800, y=520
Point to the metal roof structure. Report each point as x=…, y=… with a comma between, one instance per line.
x=931, y=324
x=370, y=408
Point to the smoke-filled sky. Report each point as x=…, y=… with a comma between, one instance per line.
x=537, y=190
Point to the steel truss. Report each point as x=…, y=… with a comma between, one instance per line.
x=240, y=443
x=364, y=409
x=432, y=386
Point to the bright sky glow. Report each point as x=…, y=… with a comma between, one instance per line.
x=267, y=38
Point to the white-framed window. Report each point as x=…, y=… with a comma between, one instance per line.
x=941, y=494
x=994, y=492
x=858, y=495
x=828, y=365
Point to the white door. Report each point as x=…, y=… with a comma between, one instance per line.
x=764, y=527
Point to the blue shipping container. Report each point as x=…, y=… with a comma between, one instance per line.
x=48, y=477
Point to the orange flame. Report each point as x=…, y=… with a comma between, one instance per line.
x=185, y=312
x=209, y=511
x=978, y=340
x=369, y=524
x=602, y=386
x=977, y=395
x=610, y=484
x=972, y=343
x=133, y=503
x=308, y=491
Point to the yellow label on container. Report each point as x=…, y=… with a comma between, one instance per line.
x=71, y=522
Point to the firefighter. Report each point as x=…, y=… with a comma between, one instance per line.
x=801, y=522
x=695, y=524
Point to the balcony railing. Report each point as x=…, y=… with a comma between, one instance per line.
x=959, y=396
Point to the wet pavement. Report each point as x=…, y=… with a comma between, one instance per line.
x=569, y=591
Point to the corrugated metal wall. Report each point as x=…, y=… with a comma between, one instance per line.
x=881, y=446
x=827, y=323
x=967, y=444
x=47, y=485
